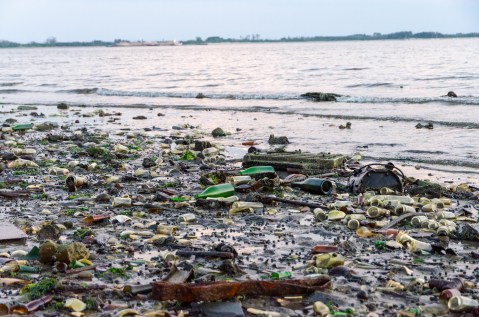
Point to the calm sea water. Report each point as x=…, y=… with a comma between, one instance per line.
x=387, y=86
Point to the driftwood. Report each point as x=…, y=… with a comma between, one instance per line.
x=11, y=194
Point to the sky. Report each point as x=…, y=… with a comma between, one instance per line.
x=85, y=20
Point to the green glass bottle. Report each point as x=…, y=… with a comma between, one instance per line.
x=216, y=191
x=22, y=126
x=315, y=186
x=257, y=170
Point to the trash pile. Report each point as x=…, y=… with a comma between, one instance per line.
x=128, y=223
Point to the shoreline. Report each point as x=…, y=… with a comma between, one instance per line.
x=443, y=171
x=127, y=243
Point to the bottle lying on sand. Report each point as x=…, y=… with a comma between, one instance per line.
x=256, y=170
x=315, y=186
x=216, y=191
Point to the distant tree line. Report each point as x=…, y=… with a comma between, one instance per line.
x=256, y=38
x=355, y=37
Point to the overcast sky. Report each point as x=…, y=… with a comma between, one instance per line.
x=86, y=20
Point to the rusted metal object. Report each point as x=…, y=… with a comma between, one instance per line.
x=375, y=177
x=208, y=292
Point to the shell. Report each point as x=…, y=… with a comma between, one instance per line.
x=75, y=304
x=336, y=215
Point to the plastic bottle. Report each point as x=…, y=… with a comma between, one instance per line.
x=22, y=126
x=256, y=170
x=315, y=186
x=221, y=190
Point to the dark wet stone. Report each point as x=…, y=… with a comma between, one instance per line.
x=140, y=118
x=9, y=156
x=451, y=94
x=320, y=96
x=201, y=145
x=46, y=126
x=148, y=162
x=62, y=106
x=218, y=132
x=278, y=140
x=49, y=232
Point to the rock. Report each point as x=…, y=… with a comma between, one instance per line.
x=278, y=140
x=160, y=114
x=148, y=162
x=347, y=126
x=200, y=96
x=49, y=232
x=218, y=132
x=26, y=108
x=451, y=94
x=201, y=145
x=66, y=253
x=71, y=252
x=140, y=118
x=425, y=188
x=62, y=106
x=320, y=96
x=469, y=232
x=46, y=126
x=48, y=250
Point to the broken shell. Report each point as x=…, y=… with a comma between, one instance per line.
x=336, y=215
x=75, y=304
x=127, y=312
x=321, y=309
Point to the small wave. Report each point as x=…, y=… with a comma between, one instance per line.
x=156, y=94
x=11, y=91
x=467, y=77
x=471, y=101
x=11, y=84
x=372, y=85
x=80, y=91
x=356, y=68
x=440, y=162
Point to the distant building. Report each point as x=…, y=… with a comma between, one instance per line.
x=144, y=43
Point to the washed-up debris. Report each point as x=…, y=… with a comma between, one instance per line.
x=225, y=290
x=10, y=233
x=321, y=96
x=106, y=221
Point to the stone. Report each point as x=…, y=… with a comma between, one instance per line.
x=66, y=253
x=70, y=252
x=140, y=118
x=218, y=132
x=320, y=96
x=148, y=162
x=48, y=250
x=26, y=108
x=451, y=94
x=278, y=140
x=46, y=126
x=62, y=106
x=201, y=145
x=222, y=309
x=49, y=232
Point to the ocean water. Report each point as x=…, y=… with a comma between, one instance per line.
x=253, y=90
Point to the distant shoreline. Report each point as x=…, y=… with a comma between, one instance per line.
x=254, y=38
